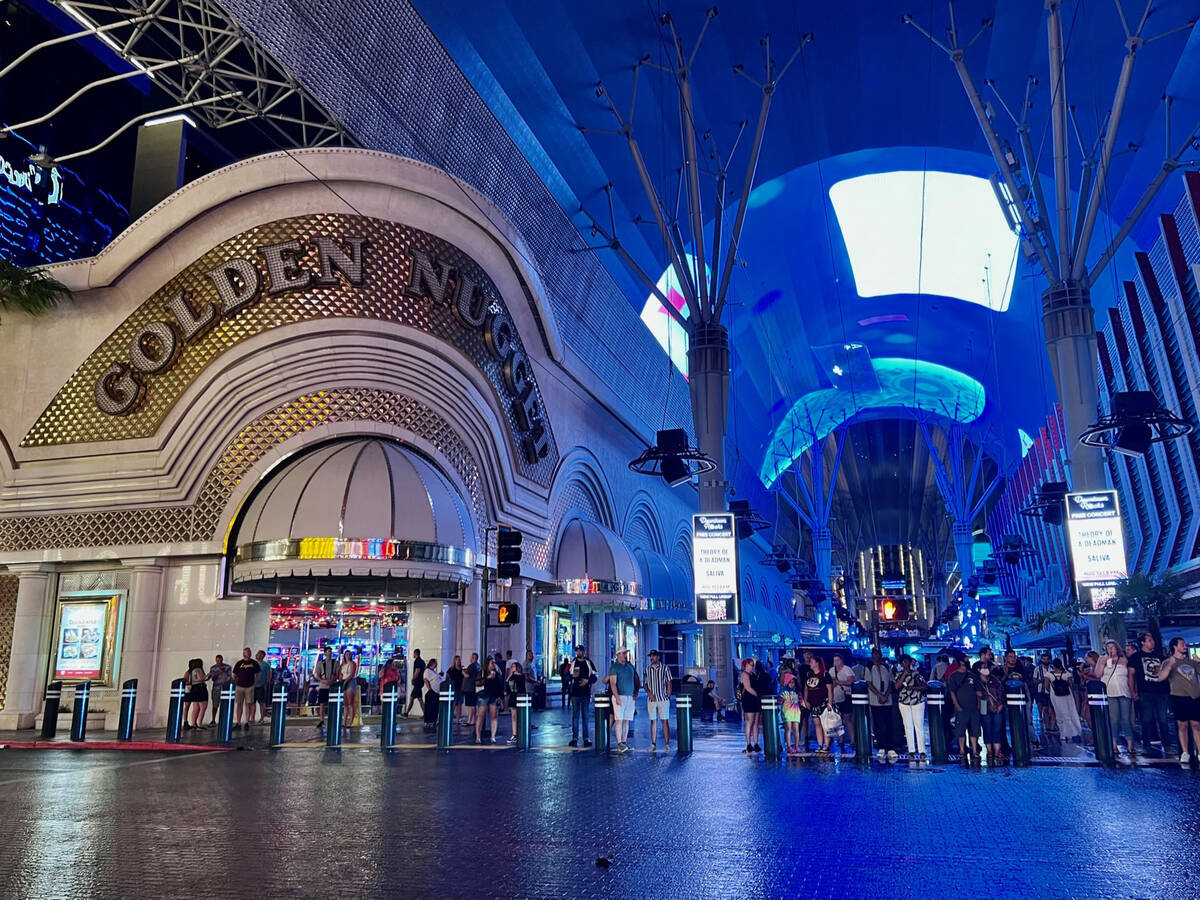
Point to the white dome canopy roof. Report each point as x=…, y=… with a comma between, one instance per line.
x=594, y=569
x=365, y=506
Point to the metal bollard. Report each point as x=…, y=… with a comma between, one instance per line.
x=279, y=700
x=602, y=706
x=79, y=710
x=128, y=708
x=50, y=710
x=862, y=726
x=772, y=748
x=1101, y=728
x=1022, y=753
x=936, y=700
x=333, y=716
x=225, y=714
x=445, y=720
x=683, y=724
x=175, y=711
x=524, y=715
x=389, y=700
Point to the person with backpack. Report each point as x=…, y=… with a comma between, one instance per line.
x=1062, y=697
x=582, y=675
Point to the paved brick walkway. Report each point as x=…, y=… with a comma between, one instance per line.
x=418, y=823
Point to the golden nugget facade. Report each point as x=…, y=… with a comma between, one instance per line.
x=284, y=304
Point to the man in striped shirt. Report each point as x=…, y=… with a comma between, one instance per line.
x=658, y=698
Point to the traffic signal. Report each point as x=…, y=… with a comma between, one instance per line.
x=508, y=613
x=508, y=553
x=892, y=609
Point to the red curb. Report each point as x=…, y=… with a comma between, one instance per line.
x=106, y=745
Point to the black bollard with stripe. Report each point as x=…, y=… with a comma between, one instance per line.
x=524, y=716
x=772, y=746
x=279, y=703
x=50, y=710
x=683, y=724
x=602, y=706
x=175, y=711
x=389, y=700
x=1022, y=752
x=862, y=724
x=333, y=716
x=445, y=720
x=1101, y=728
x=225, y=714
x=936, y=699
x=79, y=711
x=128, y=707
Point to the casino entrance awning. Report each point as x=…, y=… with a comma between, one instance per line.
x=362, y=517
x=594, y=571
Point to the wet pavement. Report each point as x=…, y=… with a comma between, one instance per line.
x=483, y=822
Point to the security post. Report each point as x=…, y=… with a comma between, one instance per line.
x=1017, y=726
x=387, y=719
x=128, y=708
x=683, y=724
x=79, y=710
x=445, y=721
x=937, y=726
x=175, y=711
x=1101, y=729
x=862, y=725
x=524, y=713
x=225, y=714
x=50, y=710
x=601, y=707
x=772, y=748
x=333, y=716
x=279, y=701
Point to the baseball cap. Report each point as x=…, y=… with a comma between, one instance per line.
x=654, y=652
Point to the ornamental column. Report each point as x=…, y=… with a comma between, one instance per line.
x=140, y=656
x=31, y=635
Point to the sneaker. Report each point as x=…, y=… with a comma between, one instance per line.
x=749, y=748
x=757, y=748
x=1184, y=759
x=881, y=755
x=573, y=743
x=892, y=756
x=477, y=740
x=494, y=741
x=587, y=743
x=667, y=748
x=512, y=740
x=921, y=757
x=653, y=746
x=622, y=748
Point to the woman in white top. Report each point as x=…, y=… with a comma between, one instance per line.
x=348, y=675
x=433, y=686
x=1117, y=677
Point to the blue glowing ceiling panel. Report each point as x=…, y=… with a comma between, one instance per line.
x=905, y=386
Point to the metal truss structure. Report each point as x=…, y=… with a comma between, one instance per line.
x=202, y=59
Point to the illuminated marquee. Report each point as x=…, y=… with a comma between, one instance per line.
x=1097, y=546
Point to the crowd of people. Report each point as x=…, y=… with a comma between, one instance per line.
x=1145, y=686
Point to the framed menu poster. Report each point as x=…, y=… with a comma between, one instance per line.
x=84, y=640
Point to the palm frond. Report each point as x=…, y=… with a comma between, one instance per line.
x=29, y=290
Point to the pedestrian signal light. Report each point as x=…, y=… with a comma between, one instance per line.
x=508, y=614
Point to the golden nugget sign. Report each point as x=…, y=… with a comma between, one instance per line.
x=378, y=270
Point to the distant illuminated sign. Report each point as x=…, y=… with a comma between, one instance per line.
x=1097, y=546
x=715, y=569
x=895, y=584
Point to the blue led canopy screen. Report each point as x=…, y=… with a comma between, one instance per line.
x=916, y=232
x=903, y=384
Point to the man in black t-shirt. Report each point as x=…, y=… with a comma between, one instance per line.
x=1150, y=694
x=418, y=684
x=582, y=676
x=965, y=692
x=245, y=674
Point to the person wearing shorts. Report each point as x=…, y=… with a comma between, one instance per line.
x=245, y=674
x=657, y=681
x=621, y=678
x=1183, y=672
